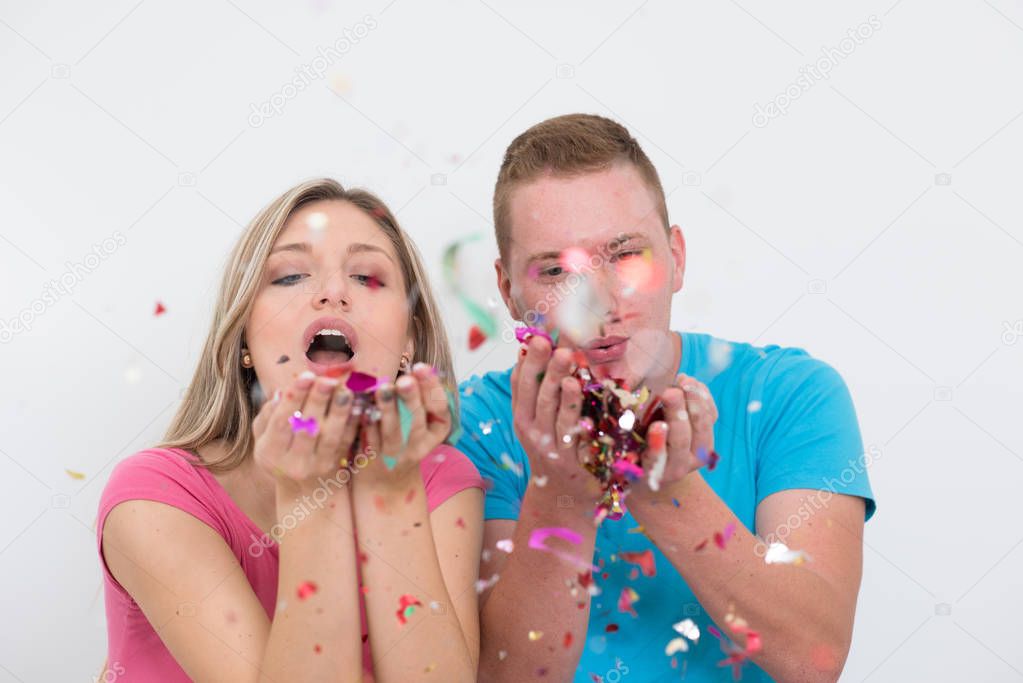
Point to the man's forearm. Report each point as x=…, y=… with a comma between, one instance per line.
x=533, y=594
x=803, y=624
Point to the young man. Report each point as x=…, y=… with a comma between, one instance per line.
x=783, y=424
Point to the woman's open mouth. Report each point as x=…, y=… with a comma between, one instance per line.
x=330, y=343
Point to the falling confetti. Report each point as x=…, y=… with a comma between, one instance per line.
x=505, y=545
x=538, y=541
x=687, y=629
x=535, y=635
x=486, y=584
x=486, y=427
x=300, y=424
x=406, y=606
x=580, y=314
x=721, y=537
x=566, y=642
x=483, y=320
x=645, y=560
x=710, y=459
x=78, y=476
x=476, y=337
x=779, y=553
x=626, y=600
x=640, y=273
x=160, y=309
x=306, y=588
x=754, y=407
x=509, y=464
x=282, y=359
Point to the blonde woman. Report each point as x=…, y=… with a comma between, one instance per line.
x=307, y=539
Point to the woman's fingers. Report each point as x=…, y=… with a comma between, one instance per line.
x=390, y=425
x=308, y=422
x=332, y=446
x=278, y=433
x=263, y=415
x=435, y=410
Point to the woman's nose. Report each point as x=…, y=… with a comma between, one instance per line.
x=332, y=290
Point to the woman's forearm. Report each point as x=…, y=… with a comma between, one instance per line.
x=315, y=632
x=400, y=568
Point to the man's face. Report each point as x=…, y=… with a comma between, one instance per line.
x=589, y=255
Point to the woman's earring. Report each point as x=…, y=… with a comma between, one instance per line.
x=403, y=365
x=246, y=359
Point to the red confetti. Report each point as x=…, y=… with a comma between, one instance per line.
x=410, y=495
x=317, y=649
x=306, y=588
x=160, y=309
x=645, y=560
x=476, y=337
x=611, y=628
x=721, y=538
x=460, y=523
x=406, y=604
x=567, y=642
x=701, y=545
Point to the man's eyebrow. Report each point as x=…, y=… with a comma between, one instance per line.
x=612, y=244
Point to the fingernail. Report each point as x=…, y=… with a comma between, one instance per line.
x=326, y=385
x=343, y=399
x=387, y=394
x=306, y=379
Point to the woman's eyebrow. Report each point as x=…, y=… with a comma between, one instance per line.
x=295, y=246
x=361, y=247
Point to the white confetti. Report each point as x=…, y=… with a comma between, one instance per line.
x=779, y=553
x=754, y=407
x=505, y=545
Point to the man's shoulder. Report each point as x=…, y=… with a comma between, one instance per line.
x=486, y=391
x=727, y=360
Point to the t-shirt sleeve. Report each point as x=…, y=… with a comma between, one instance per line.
x=448, y=472
x=809, y=436
x=504, y=477
x=157, y=475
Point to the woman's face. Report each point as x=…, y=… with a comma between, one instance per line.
x=332, y=298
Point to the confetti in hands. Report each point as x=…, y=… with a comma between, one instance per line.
x=303, y=424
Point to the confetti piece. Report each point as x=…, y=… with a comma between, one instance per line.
x=721, y=537
x=538, y=541
x=486, y=427
x=160, y=309
x=480, y=316
x=579, y=316
x=540, y=481
x=754, y=407
x=360, y=382
x=300, y=424
x=317, y=648
x=779, y=553
x=501, y=654
x=687, y=628
x=282, y=359
x=78, y=476
x=390, y=461
x=626, y=600
x=574, y=259
x=644, y=559
x=460, y=523
x=505, y=545
x=674, y=501
x=566, y=642
x=535, y=635
x=640, y=273
x=708, y=459
x=476, y=337
x=306, y=588
x=406, y=606
x=611, y=628
x=627, y=469
x=524, y=334
x=509, y=464
x=317, y=221
x=486, y=584
x=656, y=446
x=676, y=645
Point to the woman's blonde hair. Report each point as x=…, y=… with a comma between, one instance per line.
x=219, y=403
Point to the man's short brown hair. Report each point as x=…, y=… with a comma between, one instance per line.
x=565, y=146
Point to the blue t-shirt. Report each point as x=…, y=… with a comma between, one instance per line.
x=785, y=421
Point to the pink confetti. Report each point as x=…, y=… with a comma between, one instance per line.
x=360, y=382
x=538, y=541
x=524, y=334
x=406, y=606
x=306, y=588
x=626, y=601
x=721, y=538
x=300, y=424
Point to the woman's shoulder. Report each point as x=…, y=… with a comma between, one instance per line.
x=447, y=471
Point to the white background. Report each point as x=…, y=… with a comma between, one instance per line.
x=135, y=118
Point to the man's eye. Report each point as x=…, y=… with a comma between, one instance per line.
x=629, y=253
x=554, y=271
x=289, y=280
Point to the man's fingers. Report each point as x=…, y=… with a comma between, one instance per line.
x=538, y=353
x=549, y=394
x=702, y=415
x=569, y=411
x=679, y=437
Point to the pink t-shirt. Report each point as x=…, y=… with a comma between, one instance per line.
x=167, y=475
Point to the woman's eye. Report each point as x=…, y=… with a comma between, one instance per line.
x=370, y=281
x=289, y=279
